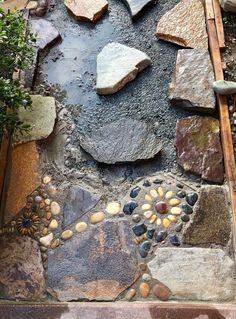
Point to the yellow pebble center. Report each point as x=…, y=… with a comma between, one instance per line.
x=113, y=208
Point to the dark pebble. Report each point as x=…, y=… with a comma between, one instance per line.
x=161, y=235
x=187, y=209
x=144, y=248
x=34, y=208
x=139, y=230
x=174, y=240
x=158, y=181
x=136, y=218
x=179, y=227
x=130, y=207
x=191, y=198
x=180, y=185
x=185, y=218
x=146, y=183
x=135, y=191
x=150, y=233
x=181, y=194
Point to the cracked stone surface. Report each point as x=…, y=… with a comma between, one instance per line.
x=184, y=25
x=211, y=223
x=96, y=265
x=195, y=273
x=199, y=149
x=192, y=81
x=117, y=65
x=78, y=202
x=125, y=140
x=43, y=112
x=137, y=6
x=87, y=10
x=21, y=269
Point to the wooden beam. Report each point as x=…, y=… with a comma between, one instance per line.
x=219, y=24
x=209, y=10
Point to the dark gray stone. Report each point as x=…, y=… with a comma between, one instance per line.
x=97, y=265
x=139, y=230
x=174, y=240
x=46, y=33
x=79, y=201
x=125, y=140
x=130, y=207
x=144, y=248
x=137, y=6
x=161, y=235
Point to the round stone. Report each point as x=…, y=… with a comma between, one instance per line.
x=185, y=218
x=38, y=199
x=176, y=211
x=187, y=209
x=135, y=191
x=46, y=179
x=136, y=218
x=161, y=207
x=148, y=214
x=55, y=243
x=160, y=191
x=144, y=289
x=166, y=222
x=53, y=224
x=150, y=233
x=139, y=230
x=47, y=201
x=179, y=227
x=169, y=195
x=146, y=206
x=161, y=292
x=144, y=248
x=153, y=219
x=146, y=183
x=67, y=234
x=146, y=277
x=172, y=218
x=153, y=193
x=80, y=227
x=181, y=194
x=130, y=294
x=161, y=235
x=97, y=217
x=148, y=198
x=113, y=208
x=55, y=208
x=130, y=207
x=174, y=202
x=174, y=240
x=191, y=198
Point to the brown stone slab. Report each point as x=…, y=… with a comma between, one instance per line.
x=119, y=310
x=24, y=177
x=13, y=4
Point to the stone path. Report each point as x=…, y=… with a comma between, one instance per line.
x=102, y=211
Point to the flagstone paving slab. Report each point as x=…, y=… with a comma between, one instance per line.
x=117, y=65
x=212, y=221
x=184, y=25
x=199, y=149
x=13, y=4
x=21, y=269
x=192, y=81
x=137, y=6
x=96, y=265
x=87, y=10
x=195, y=273
x=125, y=140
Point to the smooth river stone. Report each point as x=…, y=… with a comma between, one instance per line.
x=161, y=235
x=125, y=140
x=135, y=191
x=80, y=227
x=199, y=148
x=161, y=292
x=139, y=230
x=130, y=294
x=67, y=234
x=97, y=217
x=191, y=198
x=161, y=207
x=87, y=10
x=55, y=208
x=46, y=240
x=184, y=25
x=144, y=289
x=192, y=81
x=117, y=65
x=144, y=248
x=113, y=208
x=53, y=224
x=137, y=6
x=130, y=207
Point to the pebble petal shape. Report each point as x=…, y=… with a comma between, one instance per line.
x=81, y=227
x=148, y=198
x=67, y=234
x=55, y=208
x=46, y=240
x=146, y=206
x=113, y=208
x=153, y=219
x=158, y=222
x=174, y=202
x=176, y=210
x=166, y=222
x=97, y=217
x=148, y=214
x=169, y=195
x=153, y=193
x=172, y=218
x=160, y=192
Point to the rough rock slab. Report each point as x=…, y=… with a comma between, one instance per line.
x=87, y=10
x=211, y=223
x=125, y=140
x=13, y=4
x=46, y=33
x=192, y=81
x=137, y=6
x=24, y=177
x=41, y=117
x=96, y=265
x=21, y=269
x=195, y=273
x=78, y=202
x=199, y=149
x=184, y=25
x=228, y=5
x=117, y=65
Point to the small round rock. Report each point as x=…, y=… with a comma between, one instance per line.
x=97, y=217
x=161, y=292
x=67, y=234
x=53, y=224
x=46, y=179
x=80, y=227
x=146, y=277
x=144, y=289
x=130, y=294
x=38, y=199
x=55, y=208
x=113, y=208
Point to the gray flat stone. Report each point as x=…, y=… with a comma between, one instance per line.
x=191, y=86
x=41, y=117
x=211, y=223
x=46, y=33
x=224, y=87
x=97, y=264
x=117, y=65
x=21, y=269
x=125, y=140
x=137, y=6
x=228, y=5
x=78, y=202
x=195, y=273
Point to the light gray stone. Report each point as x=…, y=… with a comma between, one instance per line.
x=224, y=87
x=41, y=117
x=117, y=65
x=191, y=86
x=125, y=140
x=195, y=273
x=137, y=6
x=228, y=5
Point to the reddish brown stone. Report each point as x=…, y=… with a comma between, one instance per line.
x=161, y=292
x=199, y=149
x=161, y=208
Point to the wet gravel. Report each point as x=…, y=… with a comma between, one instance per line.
x=70, y=70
